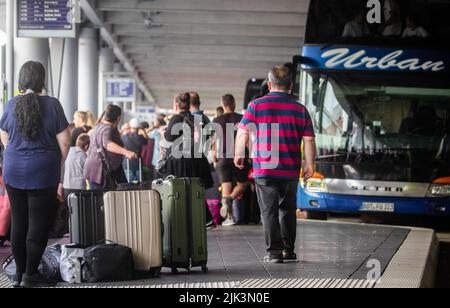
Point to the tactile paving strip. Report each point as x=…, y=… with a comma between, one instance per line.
x=345, y=254
x=246, y=284
x=5, y=282
x=305, y=284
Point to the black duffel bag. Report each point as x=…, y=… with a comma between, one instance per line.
x=49, y=266
x=107, y=263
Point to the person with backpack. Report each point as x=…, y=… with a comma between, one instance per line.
x=180, y=133
x=35, y=133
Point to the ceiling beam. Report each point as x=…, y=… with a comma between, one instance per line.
x=211, y=75
x=286, y=6
x=207, y=63
x=217, y=30
x=211, y=40
x=170, y=57
x=185, y=71
x=262, y=19
x=206, y=51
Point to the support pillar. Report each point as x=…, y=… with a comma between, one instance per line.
x=10, y=48
x=106, y=65
x=69, y=78
x=88, y=71
x=30, y=49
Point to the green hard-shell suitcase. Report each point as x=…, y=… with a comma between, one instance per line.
x=184, y=219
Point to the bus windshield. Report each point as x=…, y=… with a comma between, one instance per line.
x=398, y=22
x=387, y=126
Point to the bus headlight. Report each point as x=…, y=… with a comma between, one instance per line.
x=438, y=191
x=316, y=184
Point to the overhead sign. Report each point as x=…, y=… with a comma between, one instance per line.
x=46, y=18
x=120, y=90
x=146, y=109
x=376, y=59
x=146, y=113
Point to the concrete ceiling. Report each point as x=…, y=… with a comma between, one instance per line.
x=210, y=46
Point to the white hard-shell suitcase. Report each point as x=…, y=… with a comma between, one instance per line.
x=133, y=219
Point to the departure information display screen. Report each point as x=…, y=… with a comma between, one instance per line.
x=45, y=18
x=120, y=90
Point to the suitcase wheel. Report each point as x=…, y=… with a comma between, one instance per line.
x=205, y=269
x=156, y=273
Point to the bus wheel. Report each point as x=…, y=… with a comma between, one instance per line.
x=313, y=215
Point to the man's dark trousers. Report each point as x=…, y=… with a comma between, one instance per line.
x=278, y=202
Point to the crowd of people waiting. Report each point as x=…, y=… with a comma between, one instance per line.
x=96, y=156
x=44, y=152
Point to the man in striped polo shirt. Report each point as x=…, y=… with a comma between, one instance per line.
x=275, y=126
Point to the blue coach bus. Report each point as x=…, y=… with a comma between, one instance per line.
x=379, y=97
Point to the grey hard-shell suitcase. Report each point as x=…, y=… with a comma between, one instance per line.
x=87, y=219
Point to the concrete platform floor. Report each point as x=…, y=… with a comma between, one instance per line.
x=335, y=251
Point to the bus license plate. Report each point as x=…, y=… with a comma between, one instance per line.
x=378, y=207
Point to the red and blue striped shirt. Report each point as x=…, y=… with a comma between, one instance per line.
x=278, y=123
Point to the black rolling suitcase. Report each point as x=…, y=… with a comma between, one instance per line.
x=87, y=218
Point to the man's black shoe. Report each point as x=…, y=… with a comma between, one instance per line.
x=289, y=256
x=36, y=281
x=274, y=259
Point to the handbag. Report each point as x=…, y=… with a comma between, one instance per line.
x=72, y=258
x=107, y=263
x=110, y=178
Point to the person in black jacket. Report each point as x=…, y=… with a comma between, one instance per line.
x=181, y=132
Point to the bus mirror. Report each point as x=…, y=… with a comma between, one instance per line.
x=300, y=60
